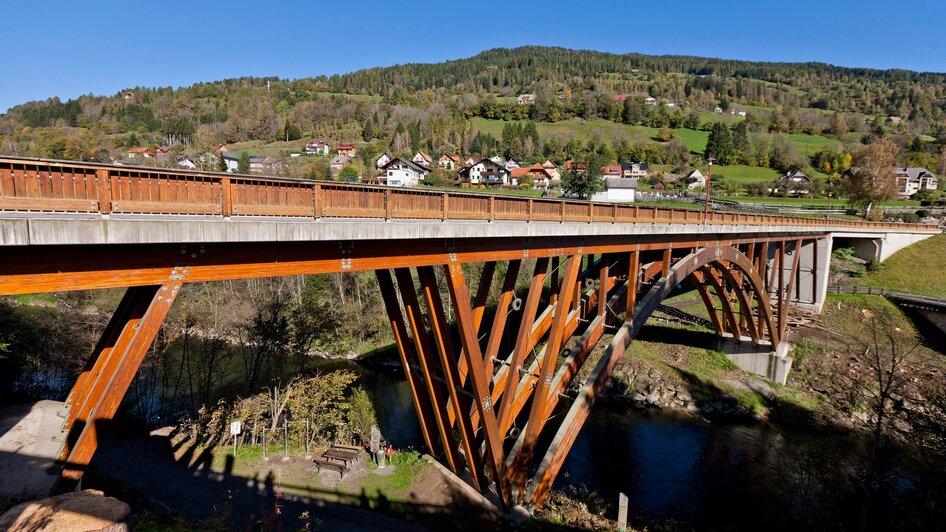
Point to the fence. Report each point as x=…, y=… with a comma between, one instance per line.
x=39, y=185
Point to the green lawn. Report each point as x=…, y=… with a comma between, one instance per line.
x=812, y=201
x=695, y=140
x=917, y=269
x=744, y=174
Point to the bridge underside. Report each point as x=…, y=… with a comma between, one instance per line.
x=484, y=389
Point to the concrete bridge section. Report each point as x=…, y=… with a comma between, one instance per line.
x=594, y=268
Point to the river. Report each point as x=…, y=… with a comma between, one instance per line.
x=677, y=468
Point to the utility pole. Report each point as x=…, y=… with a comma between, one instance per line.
x=709, y=177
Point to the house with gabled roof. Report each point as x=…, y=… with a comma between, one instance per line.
x=911, y=180
x=792, y=182
x=422, y=158
x=483, y=172
x=448, y=162
x=541, y=178
x=402, y=173
x=140, y=153
x=525, y=99
x=348, y=150
x=317, y=147
x=382, y=160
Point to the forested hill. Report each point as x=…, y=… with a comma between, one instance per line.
x=529, y=67
x=455, y=106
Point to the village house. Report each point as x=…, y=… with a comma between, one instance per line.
x=525, y=98
x=541, y=178
x=893, y=120
x=402, y=173
x=911, y=180
x=128, y=96
x=650, y=100
x=483, y=172
x=422, y=159
x=140, y=153
x=718, y=110
x=338, y=162
x=470, y=161
x=316, y=147
x=793, y=182
x=634, y=170
x=220, y=147
x=258, y=164
x=617, y=190
x=611, y=170
x=498, y=160
x=382, y=160
x=186, y=162
x=348, y=150
x=448, y=162
x=621, y=97
x=511, y=164
x=552, y=169
x=695, y=180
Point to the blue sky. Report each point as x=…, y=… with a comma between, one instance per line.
x=67, y=48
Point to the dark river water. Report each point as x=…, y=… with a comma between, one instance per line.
x=685, y=470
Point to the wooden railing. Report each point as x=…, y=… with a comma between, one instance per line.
x=39, y=185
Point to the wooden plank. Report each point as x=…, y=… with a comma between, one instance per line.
x=272, y=210
x=425, y=357
x=452, y=381
x=156, y=207
x=8, y=203
x=409, y=361
x=480, y=381
x=501, y=315
x=523, y=339
x=141, y=325
x=537, y=416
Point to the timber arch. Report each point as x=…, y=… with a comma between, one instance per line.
x=484, y=414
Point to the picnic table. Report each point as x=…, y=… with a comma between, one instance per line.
x=342, y=455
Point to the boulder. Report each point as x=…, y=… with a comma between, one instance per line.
x=88, y=510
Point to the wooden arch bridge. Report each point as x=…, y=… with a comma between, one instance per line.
x=597, y=272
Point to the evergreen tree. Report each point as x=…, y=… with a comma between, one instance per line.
x=740, y=142
x=720, y=143
x=221, y=162
x=243, y=164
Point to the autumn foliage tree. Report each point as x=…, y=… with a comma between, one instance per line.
x=871, y=178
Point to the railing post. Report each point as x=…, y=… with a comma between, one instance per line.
x=614, y=213
x=317, y=200
x=444, y=204
x=105, y=191
x=561, y=211
x=226, y=196
x=492, y=208
x=388, y=207
x=530, y=210
x=591, y=212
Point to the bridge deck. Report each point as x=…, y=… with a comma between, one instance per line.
x=63, y=202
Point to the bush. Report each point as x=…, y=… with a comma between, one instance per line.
x=874, y=265
x=361, y=415
x=922, y=213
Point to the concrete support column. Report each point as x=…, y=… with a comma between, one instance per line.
x=813, y=269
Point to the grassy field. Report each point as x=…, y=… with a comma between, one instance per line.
x=695, y=140
x=820, y=202
x=917, y=269
x=744, y=174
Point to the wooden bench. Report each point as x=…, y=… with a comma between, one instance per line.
x=354, y=448
x=320, y=464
